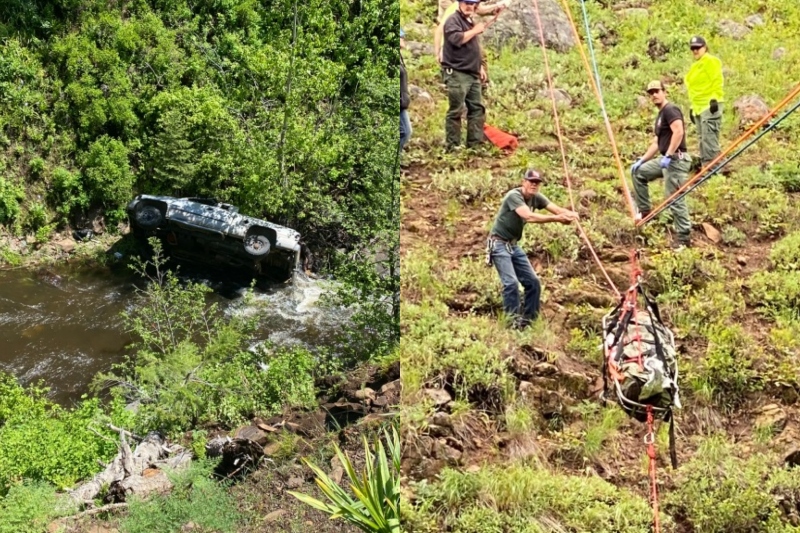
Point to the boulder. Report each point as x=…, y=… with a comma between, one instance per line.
x=712, y=233
x=754, y=20
x=418, y=49
x=750, y=108
x=420, y=95
x=773, y=416
x=440, y=397
x=67, y=245
x=733, y=30
x=535, y=113
x=517, y=24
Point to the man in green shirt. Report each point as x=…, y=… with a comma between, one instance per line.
x=704, y=83
x=506, y=255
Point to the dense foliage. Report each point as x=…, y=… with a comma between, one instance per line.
x=285, y=108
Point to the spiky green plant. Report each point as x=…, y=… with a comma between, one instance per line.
x=376, y=508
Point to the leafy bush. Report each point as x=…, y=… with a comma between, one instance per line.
x=109, y=179
x=785, y=254
x=30, y=506
x=192, y=365
x=376, y=508
x=44, y=442
x=68, y=192
x=10, y=196
x=776, y=293
x=717, y=492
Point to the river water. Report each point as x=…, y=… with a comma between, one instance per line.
x=63, y=326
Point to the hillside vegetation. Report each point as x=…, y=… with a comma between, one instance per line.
x=519, y=442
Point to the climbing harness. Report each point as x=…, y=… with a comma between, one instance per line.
x=721, y=160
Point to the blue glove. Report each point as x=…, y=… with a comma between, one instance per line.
x=665, y=161
x=636, y=166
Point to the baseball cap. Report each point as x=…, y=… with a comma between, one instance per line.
x=532, y=175
x=697, y=42
x=655, y=85
x=470, y=1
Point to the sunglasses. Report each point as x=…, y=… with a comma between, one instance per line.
x=695, y=48
x=653, y=91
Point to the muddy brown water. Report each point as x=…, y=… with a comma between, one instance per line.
x=62, y=326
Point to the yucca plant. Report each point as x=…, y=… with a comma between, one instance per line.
x=376, y=507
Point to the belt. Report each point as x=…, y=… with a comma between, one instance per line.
x=512, y=242
x=677, y=155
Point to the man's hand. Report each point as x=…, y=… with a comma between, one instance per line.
x=636, y=166
x=483, y=75
x=498, y=9
x=568, y=217
x=439, y=56
x=665, y=161
x=713, y=106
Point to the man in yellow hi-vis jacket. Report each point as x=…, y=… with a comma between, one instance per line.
x=704, y=83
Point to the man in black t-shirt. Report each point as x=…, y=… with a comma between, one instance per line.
x=463, y=73
x=669, y=140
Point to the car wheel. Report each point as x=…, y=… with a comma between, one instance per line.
x=256, y=245
x=149, y=217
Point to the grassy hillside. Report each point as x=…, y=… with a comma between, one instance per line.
x=525, y=445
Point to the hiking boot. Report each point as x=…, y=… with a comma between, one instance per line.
x=520, y=323
x=681, y=244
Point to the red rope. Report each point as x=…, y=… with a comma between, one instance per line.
x=650, y=439
x=563, y=151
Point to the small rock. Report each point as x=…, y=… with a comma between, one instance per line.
x=272, y=448
x=712, y=233
x=742, y=260
x=294, y=482
x=440, y=418
x=274, y=516
x=771, y=415
x=438, y=431
x=440, y=397
x=417, y=49
x=526, y=387
x=751, y=108
x=562, y=97
x=364, y=394
x=588, y=195
x=189, y=526
x=545, y=369
x=420, y=95
x=336, y=474
x=778, y=53
x=734, y=30
x=535, y=113
x=754, y=20
x=635, y=12
x=390, y=387
x=67, y=245
x=251, y=433
x=451, y=455
x=380, y=402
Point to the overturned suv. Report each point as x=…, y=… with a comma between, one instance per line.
x=204, y=230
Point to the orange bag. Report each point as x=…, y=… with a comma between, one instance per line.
x=501, y=139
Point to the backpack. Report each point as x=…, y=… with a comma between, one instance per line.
x=640, y=362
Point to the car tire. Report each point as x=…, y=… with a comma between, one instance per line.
x=149, y=217
x=257, y=245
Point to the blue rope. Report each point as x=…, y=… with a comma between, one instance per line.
x=594, y=61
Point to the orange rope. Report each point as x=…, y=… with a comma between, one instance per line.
x=563, y=151
x=719, y=158
x=609, y=130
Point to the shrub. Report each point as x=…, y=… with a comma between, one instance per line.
x=10, y=196
x=718, y=493
x=109, y=180
x=195, y=498
x=776, y=293
x=376, y=508
x=68, y=192
x=785, y=254
x=30, y=506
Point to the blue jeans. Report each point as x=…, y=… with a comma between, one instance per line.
x=515, y=269
x=405, y=128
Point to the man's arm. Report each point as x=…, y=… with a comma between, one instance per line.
x=490, y=9
x=438, y=33
x=651, y=150
x=529, y=216
x=677, y=136
x=460, y=38
x=556, y=210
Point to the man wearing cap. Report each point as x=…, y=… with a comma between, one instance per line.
x=674, y=164
x=462, y=72
x=482, y=10
x=505, y=254
x=704, y=83
x=405, y=100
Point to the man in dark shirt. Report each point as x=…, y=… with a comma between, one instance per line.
x=463, y=73
x=674, y=164
x=505, y=254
